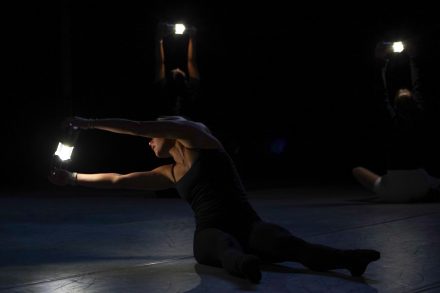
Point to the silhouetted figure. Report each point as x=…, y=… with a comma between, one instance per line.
x=177, y=76
x=410, y=122
x=229, y=233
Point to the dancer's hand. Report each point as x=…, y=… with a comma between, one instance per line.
x=62, y=177
x=79, y=122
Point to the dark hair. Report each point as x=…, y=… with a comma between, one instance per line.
x=181, y=118
x=405, y=104
x=177, y=82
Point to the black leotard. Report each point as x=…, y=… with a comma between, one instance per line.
x=215, y=192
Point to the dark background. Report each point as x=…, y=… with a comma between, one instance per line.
x=287, y=87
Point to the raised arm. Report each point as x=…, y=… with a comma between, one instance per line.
x=156, y=179
x=193, y=70
x=382, y=53
x=386, y=91
x=417, y=79
x=159, y=52
x=191, y=134
x=160, y=62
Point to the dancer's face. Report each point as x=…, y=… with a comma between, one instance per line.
x=161, y=146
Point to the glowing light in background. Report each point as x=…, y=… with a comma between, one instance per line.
x=179, y=29
x=398, y=47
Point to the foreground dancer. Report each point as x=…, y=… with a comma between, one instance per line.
x=229, y=233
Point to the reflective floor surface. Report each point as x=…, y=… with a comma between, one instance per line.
x=126, y=243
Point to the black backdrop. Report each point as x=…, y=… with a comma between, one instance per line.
x=287, y=89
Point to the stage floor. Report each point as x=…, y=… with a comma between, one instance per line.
x=133, y=243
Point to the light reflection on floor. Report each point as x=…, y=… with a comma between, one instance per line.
x=139, y=244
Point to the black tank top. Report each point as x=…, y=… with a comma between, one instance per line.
x=214, y=190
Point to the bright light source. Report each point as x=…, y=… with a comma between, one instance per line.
x=398, y=47
x=64, y=151
x=179, y=29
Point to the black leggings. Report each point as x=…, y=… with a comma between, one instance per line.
x=269, y=242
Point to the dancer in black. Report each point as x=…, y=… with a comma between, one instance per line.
x=229, y=233
x=177, y=77
x=412, y=120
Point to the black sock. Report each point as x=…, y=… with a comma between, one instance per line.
x=357, y=260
